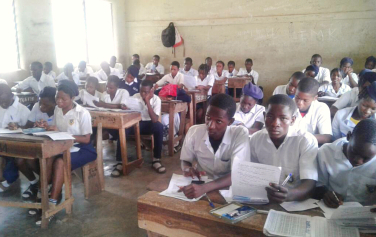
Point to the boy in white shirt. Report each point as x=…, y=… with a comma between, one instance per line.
x=116, y=65
x=113, y=97
x=83, y=70
x=213, y=147
x=370, y=63
x=155, y=67
x=248, y=71
x=312, y=116
x=142, y=71
x=347, y=167
x=248, y=113
x=209, y=63
x=68, y=74
x=280, y=145
x=89, y=94
x=335, y=88
x=107, y=71
x=323, y=74
x=290, y=88
x=48, y=70
x=188, y=70
x=174, y=77
x=347, y=72
x=232, y=72
x=37, y=81
x=205, y=82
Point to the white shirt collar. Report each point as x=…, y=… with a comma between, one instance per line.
x=226, y=137
x=15, y=102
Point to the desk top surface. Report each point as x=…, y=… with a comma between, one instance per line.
x=24, y=138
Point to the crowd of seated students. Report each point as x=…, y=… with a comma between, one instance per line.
x=294, y=131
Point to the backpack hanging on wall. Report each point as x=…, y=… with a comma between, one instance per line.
x=171, y=38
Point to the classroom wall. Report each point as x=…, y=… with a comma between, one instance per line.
x=36, y=38
x=280, y=36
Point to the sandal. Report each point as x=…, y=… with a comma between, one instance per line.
x=158, y=170
x=3, y=188
x=31, y=192
x=118, y=171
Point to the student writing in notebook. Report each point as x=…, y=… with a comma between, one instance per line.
x=345, y=119
x=347, y=167
x=47, y=69
x=336, y=88
x=113, y=97
x=89, y=94
x=131, y=83
x=248, y=71
x=281, y=145
x=290, y=88
x=213, y=146
x=248, y=113
x=187, y=69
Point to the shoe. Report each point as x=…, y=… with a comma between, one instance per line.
x=31, y=192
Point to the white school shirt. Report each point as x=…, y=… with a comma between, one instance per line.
x=192, y=72
x=87, y=98
x=16, y=113
x=121, y=97
x=208, y=81
x=253, y=73
x=346, y=80
x=76, y=121
x=316, y=121
x=177, y=80
x=213, y=69
x=35, y=85
x=280, y=90
x=342, y=124
x=142, y=70
x=296, y=155
x=119, y=67
x=88, y=70
x=150, y=66
x=36, y=115
x=197, y=148
x=355, y=184
x=224, y=74
x=101, y=75
x=155, y=103
x=349, y=99
x=51, y=74
x=329, y=90
x=233, y=73
x=322, y=75
x=256, y=114
x=62, y=76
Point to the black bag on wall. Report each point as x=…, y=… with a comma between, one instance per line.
x=168, y=35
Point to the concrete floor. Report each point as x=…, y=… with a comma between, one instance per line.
x=111, y=213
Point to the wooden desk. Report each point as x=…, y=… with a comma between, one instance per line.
x=41, y=148
x=197, y=97
x=218, y=88
x=27, y=98
x=122, y=121
x=237, y=83
x=171, y=107
x=154, y=78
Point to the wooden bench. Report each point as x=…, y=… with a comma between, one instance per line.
x=237, y=83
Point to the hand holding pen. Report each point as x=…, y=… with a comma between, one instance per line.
x=332, y=199
x=278, y=193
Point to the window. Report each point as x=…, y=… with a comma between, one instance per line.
x=9, y=57
x=82, y=31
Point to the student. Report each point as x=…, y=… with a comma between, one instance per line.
x=345, y=119
x=220, y=74
x=116, y=65
x=279, y=144
x=347, y=167
x=350, y=99
x=107, y=71
x=290, y=88
x=248, y=113
x=131, y=83
x=231, y=69
x=13, y=115
x=37, y=81
x=113, y=97
x=205, y=82
x=155, y=67
x=323, y=74
x=209, y=63
x=248, y=71
x=83, y=70
x=150, y=112
x=213, y=147
x=89, y=94
x=336, y=88
x=311, y=71
x=142, y=72
x=312, y=115
x=188, y=70
x=48, y=70
x=72, y=118
x=68, y=74
x=370, y=63
x=349, y=77
x=42, y=114
x=174, y=77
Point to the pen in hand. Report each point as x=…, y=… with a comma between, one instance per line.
x=286, y=180
x=210, y=202
x=339, y=202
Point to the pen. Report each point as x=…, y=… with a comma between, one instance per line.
x=287, y=179
x=262, y=212
x=210, y=202
x=336, y=197
x=11, y=117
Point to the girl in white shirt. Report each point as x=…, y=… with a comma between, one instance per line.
x=347, y=72
x=89, y=94
x=205, y=82
x=113, y=97
x=221, y=75
x=335, y=88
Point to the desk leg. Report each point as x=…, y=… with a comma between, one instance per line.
x=43, y=183
x=235, y=93
x=194, y=105
x=138, y=140
x=171, y=129
x=100, y=155
x=67, y=179
x=123, y=149
x=182, y=126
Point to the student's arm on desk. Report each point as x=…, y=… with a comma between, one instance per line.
x=107, y=105
x=278, y=193
x=328, y=197
x=323, y=138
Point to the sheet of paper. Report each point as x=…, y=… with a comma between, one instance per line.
x=328, y=228
x=5, y=131
x=190, y=82
x=250, y=179
x=226, y=194
x=56, y=136
x=181, y=181
x=349, y=210
x=285, y=224
x=300, y=206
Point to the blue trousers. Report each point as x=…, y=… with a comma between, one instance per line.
x=10, y=173
x=85, y=155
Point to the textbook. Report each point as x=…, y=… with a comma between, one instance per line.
x=285, y=224
x=56, y=136
x=7, y=131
